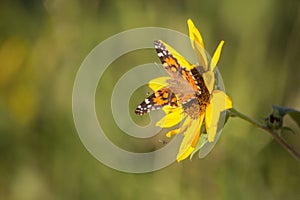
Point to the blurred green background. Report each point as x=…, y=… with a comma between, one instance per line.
x=42, y=44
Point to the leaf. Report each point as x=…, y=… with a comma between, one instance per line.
x=280, y=112
x=287, y=129
x=295, y=115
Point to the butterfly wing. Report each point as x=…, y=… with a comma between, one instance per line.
x=157, y=100
x=178, y=67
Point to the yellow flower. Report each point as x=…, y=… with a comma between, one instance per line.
x=201, y=104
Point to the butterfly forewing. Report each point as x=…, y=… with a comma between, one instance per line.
x=185, y=86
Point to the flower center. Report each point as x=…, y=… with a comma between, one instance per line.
x=191, y=93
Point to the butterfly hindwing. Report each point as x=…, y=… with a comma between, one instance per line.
x=156, y=101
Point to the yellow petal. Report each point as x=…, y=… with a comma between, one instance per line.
x=186, y=154
x=209, y=80
x=171, y=118
x=173, y=132
x=190, y=140
x=179, y=130
x=219, y=102
x=168, y=109
x=180, y=59
x=158, y=83
x=216, y=56
x=197, y=44
x=208, y=117
x=194, y=33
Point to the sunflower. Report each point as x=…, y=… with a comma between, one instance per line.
x=189, y=95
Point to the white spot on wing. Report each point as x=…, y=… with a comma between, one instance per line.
x=160, y=54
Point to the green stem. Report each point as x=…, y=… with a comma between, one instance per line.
x=275, y=135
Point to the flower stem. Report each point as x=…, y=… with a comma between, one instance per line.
x=235, y=113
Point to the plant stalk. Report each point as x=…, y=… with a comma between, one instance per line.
x=274, y=133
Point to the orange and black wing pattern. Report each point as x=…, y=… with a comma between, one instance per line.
x=186, y=82
x=177, y=66
x=157, y=100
